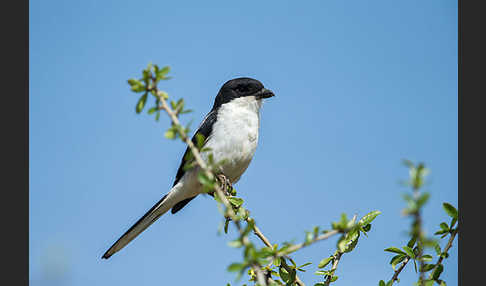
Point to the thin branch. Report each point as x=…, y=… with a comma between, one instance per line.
x=399, y=269
x=260, y=235
x=448, y=246
x=265, y=240
x=417, y=230
x=420, y=244
x=296, y=247
x=333, y=268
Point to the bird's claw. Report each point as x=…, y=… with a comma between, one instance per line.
x=225, y=184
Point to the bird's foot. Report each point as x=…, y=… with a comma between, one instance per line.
x=225, y=184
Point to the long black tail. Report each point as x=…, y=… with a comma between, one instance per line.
x=150, y=217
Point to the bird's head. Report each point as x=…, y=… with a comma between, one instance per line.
x=242, y=87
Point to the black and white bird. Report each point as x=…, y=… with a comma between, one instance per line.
x=230, y=129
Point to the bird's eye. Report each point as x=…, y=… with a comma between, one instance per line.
x=242, y=88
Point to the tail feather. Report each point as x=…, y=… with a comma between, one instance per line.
x=145, y=221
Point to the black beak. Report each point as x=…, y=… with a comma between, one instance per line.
x=265, y=93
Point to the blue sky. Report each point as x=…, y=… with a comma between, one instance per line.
x=359, y=86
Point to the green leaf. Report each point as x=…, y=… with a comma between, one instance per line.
x=397, y=259
x=283, y=274
x=265, y=252
x=324, y=262
x=234, y=267
x=138, y=88
x=235, y=243
x=186, y=111
x=334, y=278
x=308, y=237
x=441, y=231
x=344, y=220
x=277, y=262
x=437, y=271
x=381, y=283
x=366, y=228
x=444, y=254
x=352, y=237
x=348, y=242
x=133, y=82
x=136, y=85
x=149, y=67
x=323, y=272
x=437, y=249
x=152, y=110
x=368, y=218
x=409, y=251
x=444, y=226
x=173, y=104
x=160, y=74
x=200, y=140
x=335, y=225
x=237, y=202
x=453, y=222
x=412, y=241
x=450, y=210
x=395, y=250
x=427, y=267
x=170, y=134
x=293, y=262
x=303, y=265
x=423, y=199
x=426, y=257
x=141, y=103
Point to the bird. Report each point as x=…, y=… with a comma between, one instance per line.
x=230, y=130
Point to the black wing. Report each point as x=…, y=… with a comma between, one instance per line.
x=205, y=129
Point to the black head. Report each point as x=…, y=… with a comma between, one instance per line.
x=240, y=87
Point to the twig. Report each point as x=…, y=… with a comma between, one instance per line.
x=260, y=235
x=296, y=247
x=417, y=230
x=399, y=269
x=447, y=247
x=333, y=268
x=265, y=240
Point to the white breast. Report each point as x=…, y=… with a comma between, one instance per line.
x=235, y=135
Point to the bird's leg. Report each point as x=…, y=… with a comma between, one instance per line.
x=225, y=184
